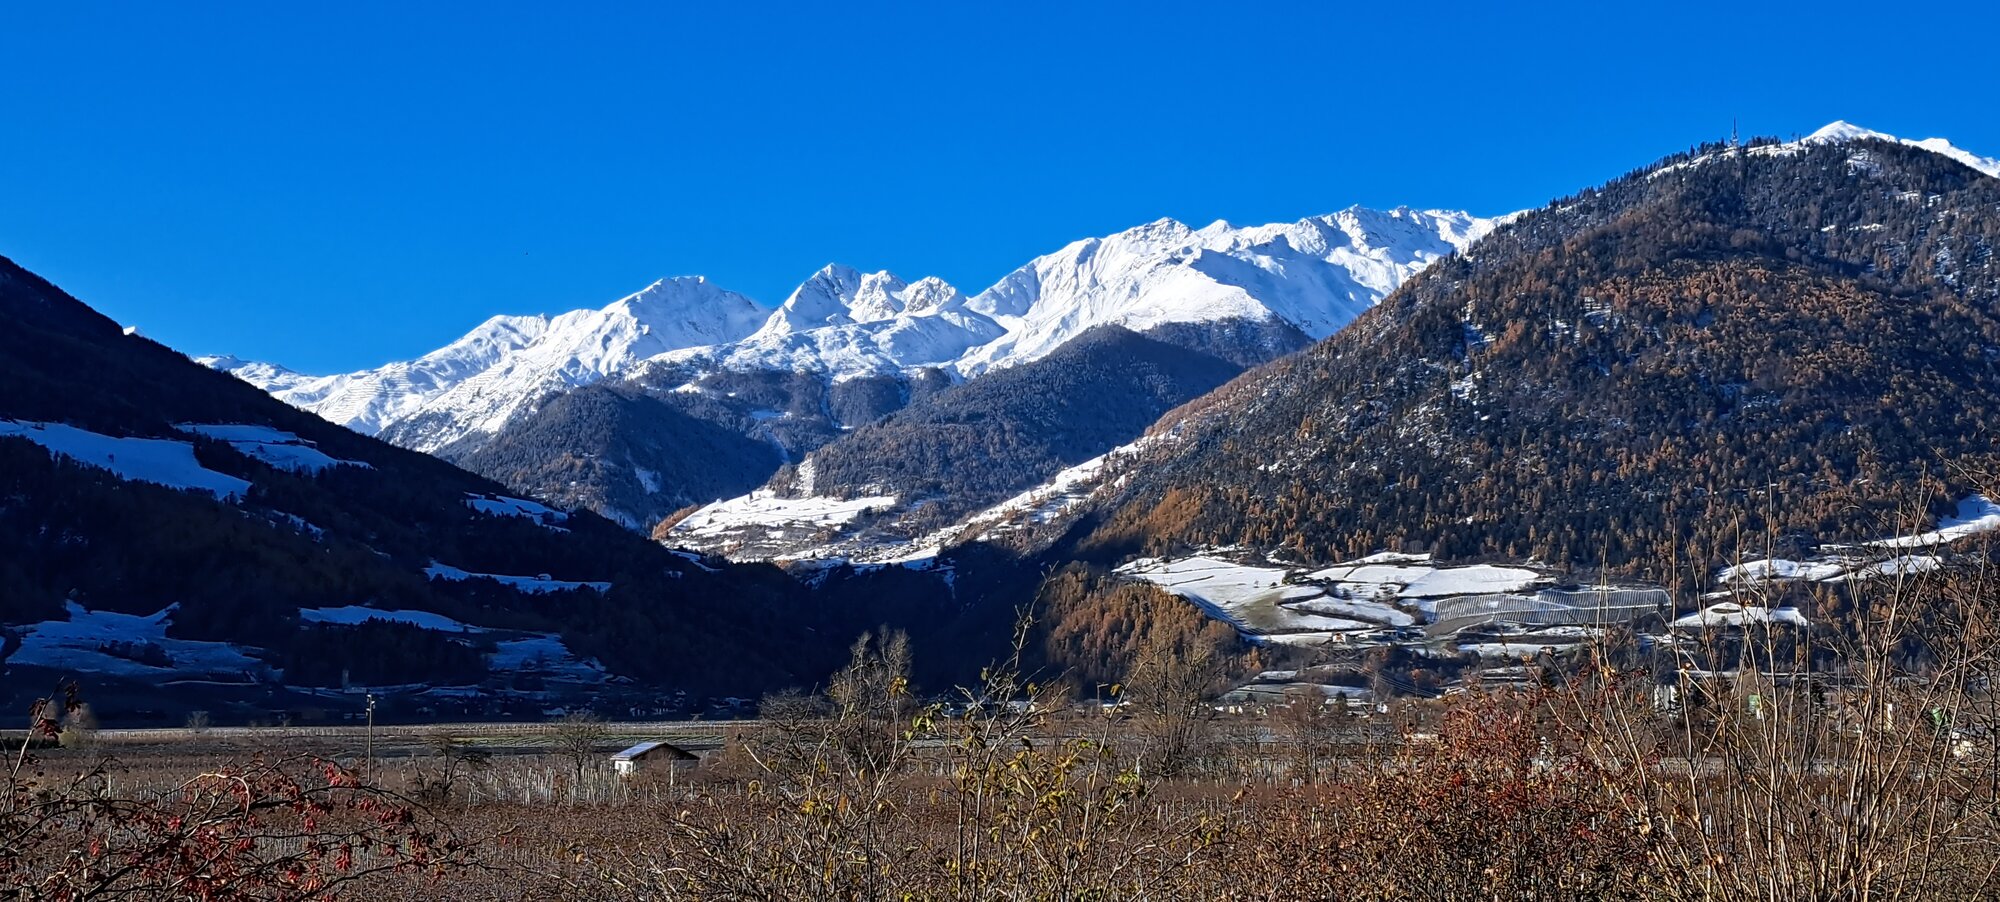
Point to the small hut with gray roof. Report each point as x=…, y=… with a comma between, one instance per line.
x=649, y=756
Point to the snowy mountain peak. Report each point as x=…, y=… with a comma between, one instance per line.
x=841, y=295
x=1841, y=131
x=267, y=376
x=684, y=309
x=930, y=294
x=822, y=300
x=1165, y=227
x=1314, y=275
x=506, y=362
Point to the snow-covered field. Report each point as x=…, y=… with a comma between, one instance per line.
x=1473, y=580
x=514, y=651
x=1976, y=514
x=545, y=655
x=1899, y=566
x=1412, y=577
x=531, y=584
x=1264, y=602
x=1354, y=609
x=90, y=642
x=1397, y=599
x=504, y=506
x=158, y=461
x=763, y=526
x=1781, y=569
x=816, y=531
x=1730, y=613
x=276, y=447
x=1050, y=500
x=1880, y=559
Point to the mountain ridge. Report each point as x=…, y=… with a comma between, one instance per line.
x=1818, y=319
x=178, y=537
x=844, y=323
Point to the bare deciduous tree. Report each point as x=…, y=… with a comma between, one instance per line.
x=578, y=737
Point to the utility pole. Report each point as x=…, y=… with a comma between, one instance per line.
x=370, y=772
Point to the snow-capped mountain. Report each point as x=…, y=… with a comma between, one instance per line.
x=845, y=323
x=1317, y=274
x=267, y=376
x=1314, y=274
x=1841, y=131
x=1858, y=259
x=475, y=384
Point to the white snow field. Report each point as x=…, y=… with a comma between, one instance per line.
x=763, y=526
x=85, y=643
x=1473, y=580
x=1398, y=599
x=1730, y=613
x=546, y=655
x=514, y=651
x=1976, y=514
x=276, y=447
x=158, y=461
x=1778, y=569
x=504, y=506
x=529, y=584
x=745, y=527
x=1260, y=603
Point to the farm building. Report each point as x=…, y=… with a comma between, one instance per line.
x=651, y=756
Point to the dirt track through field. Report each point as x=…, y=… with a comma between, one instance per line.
x=690, y=734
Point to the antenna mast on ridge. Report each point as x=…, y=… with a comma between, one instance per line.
x=1733, y=142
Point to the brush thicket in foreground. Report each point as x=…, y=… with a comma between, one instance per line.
x=1780, y=776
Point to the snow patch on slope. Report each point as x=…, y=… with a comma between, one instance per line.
x=741, y=526
x=104, y=642
x=1840, y=132
x=1976, y=514
x=534, y=585
x=159, y=461
x=276, y=447
x=504, y=506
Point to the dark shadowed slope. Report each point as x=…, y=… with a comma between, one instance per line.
x=254, y=526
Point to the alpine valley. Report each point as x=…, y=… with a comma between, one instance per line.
x=701, y=394
x=1371, y=451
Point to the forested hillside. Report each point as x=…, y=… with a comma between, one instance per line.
x=622, y=453
x=1778, y=340
x=981, y=441
x=268, y=535
x=637, y=449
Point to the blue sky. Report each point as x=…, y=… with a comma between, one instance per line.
x=339, y=185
